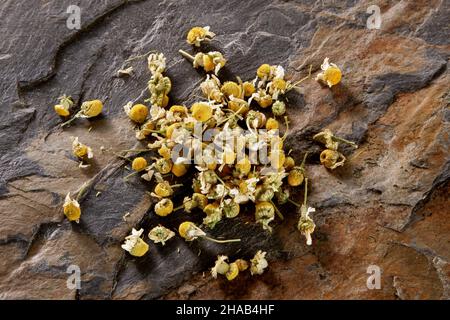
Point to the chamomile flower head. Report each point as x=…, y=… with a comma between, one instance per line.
x=220, y=266
x=179, y=169
x=163, y=189
x=91, y=109
x=159, y=87
x=71, y=209
x=296, y=177
x=139, y=164
x=231, y=88
x=272, y=124
x=138, y=113
x=331, y=74
x=233, y=271
x=248, y=88
x=263, y=98
x=197, y=35
x=332, y=159
x=211, y=61
x=264, y=214
x=202, y=111
x=160, y=234
x=211, y=88
x=258, y=263
x=305, y=224
x=242, y=264
x=263, y=71
x=80, y=150
x=230, y=208
x=189, y=231
x=278, y=108
x=63, y=108
x=163, y=166
x=164, y=207
x=134, y=244
x=156, y=63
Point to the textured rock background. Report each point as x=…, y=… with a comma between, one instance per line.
x=388, y=206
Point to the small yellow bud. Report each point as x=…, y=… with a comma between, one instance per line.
x=139, y=164
x=201, y=111
x=271, y=124
x=164, y=207
x=263, y=71
x=91, y=108
x=138, y=113
x=233, y=271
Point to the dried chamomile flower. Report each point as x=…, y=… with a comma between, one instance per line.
x=331, y=141
x=263, y=71
x=160, y=234
x=138, y=113
x=179, y=169
x=63, y=108
x=255, y=119
x=156, y=63
x=213, y=215
x=331, y=73
x=200, y=200
x=305, y=224
x=263, y=98
x=249, y=88
x=211, y=61
x=282, y=196
x=72, y=209
x=197, y=35
x=230, y=208
x=289, y=163
x=233, y=271
x=163, y=166
x=201, y=111
x=164, y=189
x=139, y=164
x=258, y=263
x=164, y=207
x=220, y=267
x=278, y=108
x=89, y=109
x=272, y=124
x=332, y=159
x=189, y=231
x=80, y=150
x=211, y=88
x=159, y=87
x=231, y=88
x=134, y=243
x=242, y=264
x=264, y=214
x=297, y=173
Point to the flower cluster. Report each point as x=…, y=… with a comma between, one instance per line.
x=231, y=270
x=331, y=158
x=223, y=133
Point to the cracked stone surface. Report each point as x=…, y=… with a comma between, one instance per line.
x=388, y=206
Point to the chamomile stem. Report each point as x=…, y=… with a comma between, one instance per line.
x=186, y=55
x=345, y=141
x=306, y=192
x=220, y=241
x=280, y=215
x=305, y=78
x=287, y=128
x=122, y=157
x=70, y=120
x=132, y=174
x=177, y=185
x=178, y=208
x=304, y=160
x=135, y=150
x=294, y=203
